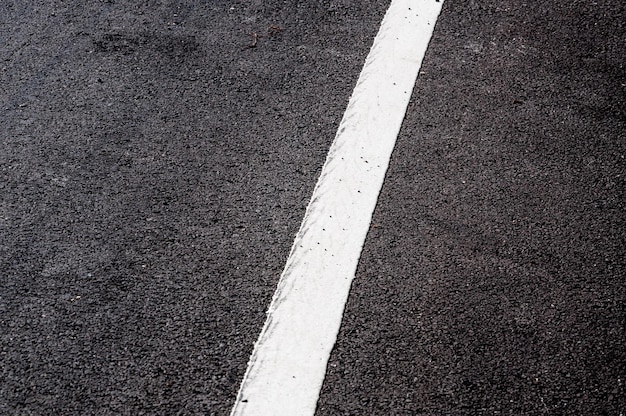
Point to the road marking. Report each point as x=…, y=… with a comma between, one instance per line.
x=288, y=364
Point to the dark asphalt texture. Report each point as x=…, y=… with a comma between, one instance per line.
x=493, y=279
x=154, y=170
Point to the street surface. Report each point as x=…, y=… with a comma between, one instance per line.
x=157, y=158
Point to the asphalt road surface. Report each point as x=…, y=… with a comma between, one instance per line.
x=157, y=157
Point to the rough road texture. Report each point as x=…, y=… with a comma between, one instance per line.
x=154, y=168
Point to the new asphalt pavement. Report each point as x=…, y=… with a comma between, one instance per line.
x=157, y=157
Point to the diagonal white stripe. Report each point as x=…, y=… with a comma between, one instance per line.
x=287, y=367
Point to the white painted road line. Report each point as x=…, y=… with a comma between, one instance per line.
x=287, y=367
